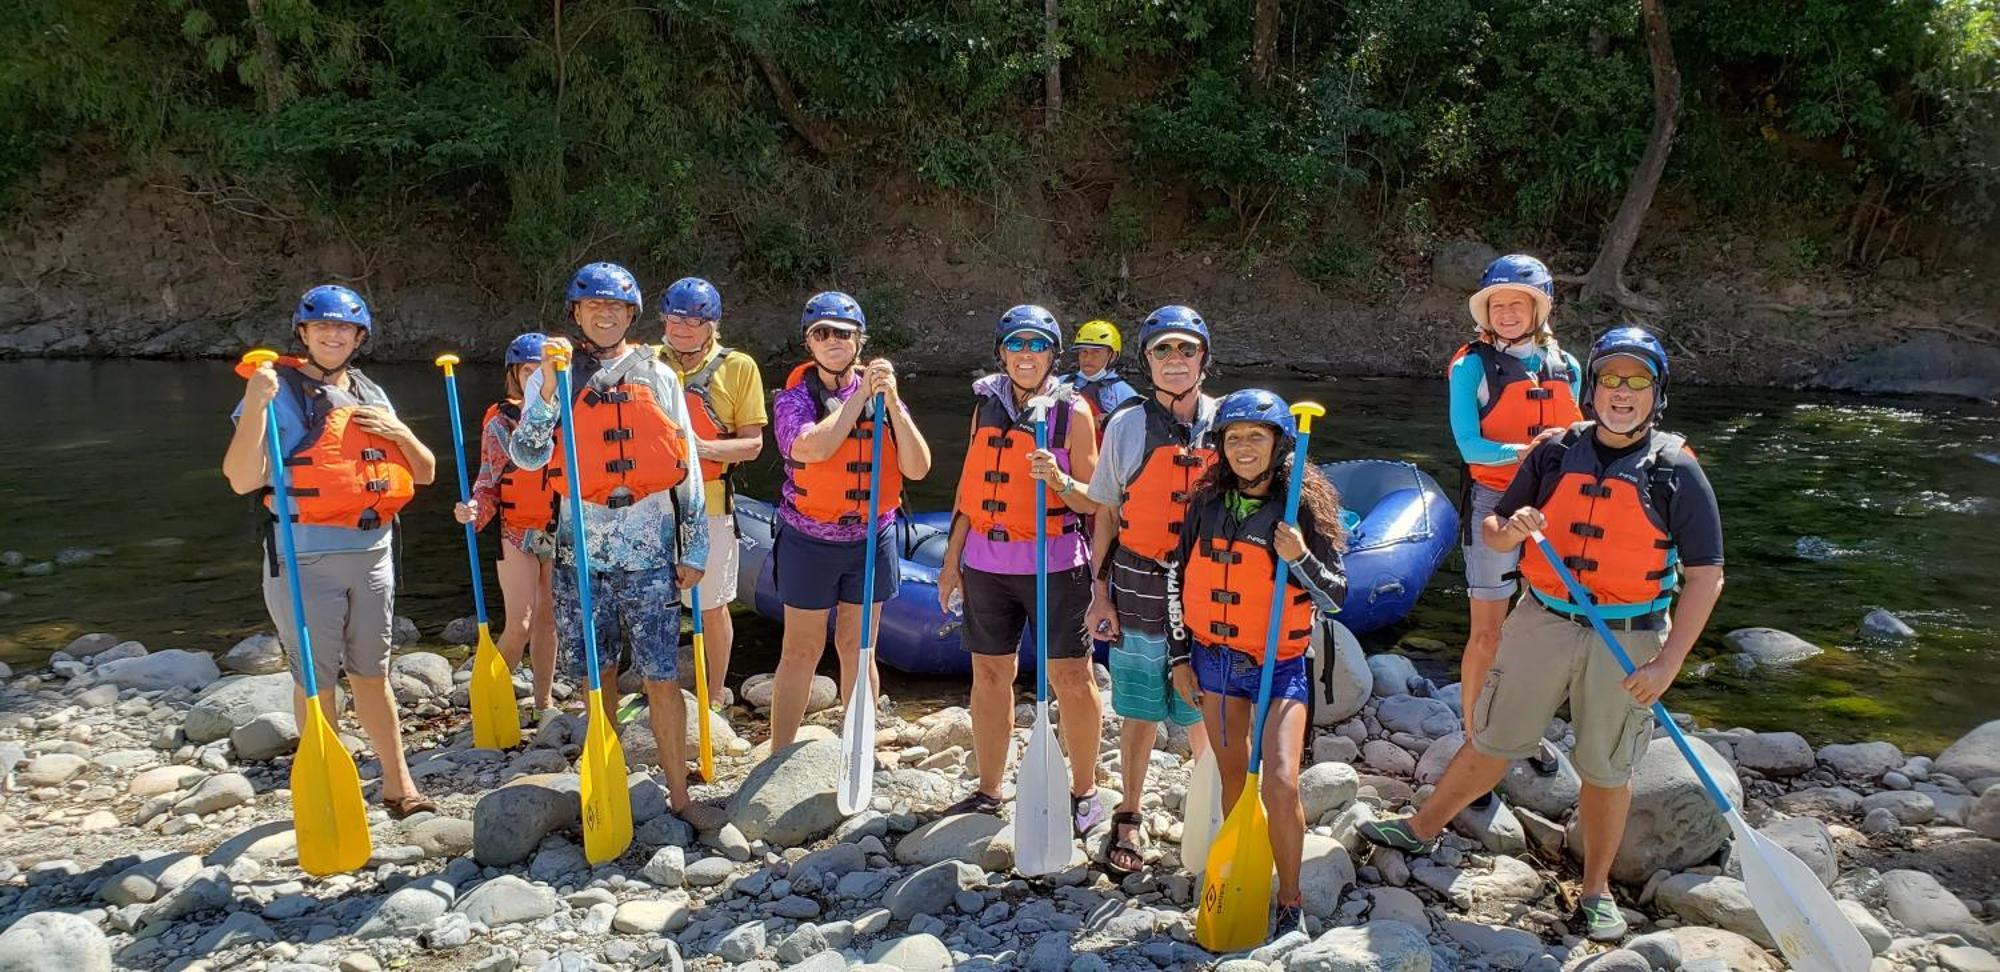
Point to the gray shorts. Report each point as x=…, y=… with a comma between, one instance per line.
x=1486, y=569
x=350, y=602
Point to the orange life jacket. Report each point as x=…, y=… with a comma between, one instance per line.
x=1227, y=590
x=1609, y=525
x=835, y=489
x=1519, y=405
x=1155, y=501
x=528, y=497
x=340, y=474
x=627, y=447
x=708, y=425
x=995, y=492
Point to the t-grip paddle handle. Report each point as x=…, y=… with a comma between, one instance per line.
x=449, y=362
x=1660, y=713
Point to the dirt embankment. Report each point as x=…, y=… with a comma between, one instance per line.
x=138, y=264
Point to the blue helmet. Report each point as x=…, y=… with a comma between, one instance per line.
x=1515, y=271
x=1259, y=406
x=1637, y=342
x=1174, y=319
x=605, y=281
x=1029, y=317
x=526, y=349
x=692, y=297
x=332, y=302
x=834, y=306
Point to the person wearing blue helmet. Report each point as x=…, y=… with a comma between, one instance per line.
x=642, y=495
x=824, y=427
x=524, y=502
x=725, y=401
x=1154, y=450
x=353, y=464
x=1222, y=569
x=991, y=556
x=1631, y=514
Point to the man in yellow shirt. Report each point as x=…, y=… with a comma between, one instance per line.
x=725, y=399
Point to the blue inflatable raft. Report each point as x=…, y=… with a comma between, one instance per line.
x=1406, y=528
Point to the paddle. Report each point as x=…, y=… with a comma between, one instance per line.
x=707, y=758
x=495, y=723
x=1812, y=931
x=328, y=814
x=1201, y=810
x=607, y=803
x=1236, y=887
x=1041, y=807
x=857, y=724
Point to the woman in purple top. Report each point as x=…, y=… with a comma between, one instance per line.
x=824, y=427
x=991, y=559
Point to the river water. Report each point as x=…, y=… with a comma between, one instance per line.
x=1831, y=505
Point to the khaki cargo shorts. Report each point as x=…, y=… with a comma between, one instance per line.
x=1545, y=660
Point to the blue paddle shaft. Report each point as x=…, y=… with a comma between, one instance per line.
x=874, y=510
x=1271, y=630
x=281, y=499
x=465, y=496
x=1660, y=713
x=1042, y=568
x=575, y=489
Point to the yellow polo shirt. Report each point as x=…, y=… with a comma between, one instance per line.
x=736, y=392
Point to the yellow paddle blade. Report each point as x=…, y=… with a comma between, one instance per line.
x=1236, y=890
x=496, y=724
x=707, y=758
x=328, y=814
x=607, y=803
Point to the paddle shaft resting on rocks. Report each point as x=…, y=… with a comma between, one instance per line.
x=495, y=724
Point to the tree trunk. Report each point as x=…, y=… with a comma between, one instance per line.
x=1606, y=277
x=1051, y=81
x=267, y=53
x=1264, y=43
x=788, y=103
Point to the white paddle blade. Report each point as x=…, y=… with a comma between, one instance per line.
x=1201, y=811
x=1042, y=843
x=1798, y=911
x=857, y=747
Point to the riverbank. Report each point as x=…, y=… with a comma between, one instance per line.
x=147, y=828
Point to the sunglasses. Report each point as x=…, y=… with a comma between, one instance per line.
x=1019, y=344
x=1167, y=349
x=1635, y=382
x=831, y=334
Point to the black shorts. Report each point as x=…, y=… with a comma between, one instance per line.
x=998, y=607
x=815, y=575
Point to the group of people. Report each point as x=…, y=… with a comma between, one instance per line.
x=1163, y=524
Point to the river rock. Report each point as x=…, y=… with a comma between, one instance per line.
x=1326, y=787
x=1734, y=952
x=1924, y=906
x=268, y=736
x=945, y=728
x=1672, y=825
x=510, y=822
x=1428, y=718
x=1880, y=820
x=241, y=928
x=409, y=910
x=1552, y=794
x=1460, y=265
x=1723, y=902
x=1494, y=826
x=926, y=890
x=1910, y=807
x=666, y=869
x=913, y=953
x=440, y=836
x=1822, y=801
x=1392, y=674
x=1388, y=758
x=1352, y=680
x=84, y=646
x=1861, y=761
x=1769, y=646
x=960, y=837
x=420, y=676
x=824, y=694
x=1807, y=839
x=1378, y=946
x=219, y=792
x=260, y=654
x=1984, y=817
x=208, y=889
x=145, y=881
x=1865, y=922
x=642, y=749
x=1619, y=960
x=461, y=631
x=507, y=899
x=789, y=799
x=165, y=779
x=1883, y=626
x=1507, y=879
x=1976, y=755
x=52, y=769
x=223, y=707
x=54, y=941
x=1326, y=872
x=97, y=696
x=173, y=668
x=651, y=916
x=1436, y=759
x=1774, y=753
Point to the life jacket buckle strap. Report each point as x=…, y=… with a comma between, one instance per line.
x=378, y=486
x=1594, y=491
x=621, y=465
x=1587, y=531
x=619, y=502
x=373, y=455
x=995, y=476
x=1579, y=563
x=618, y=435
x=1187, y=460
x=993, y=506
x=1222, y=629
x=1225, y=597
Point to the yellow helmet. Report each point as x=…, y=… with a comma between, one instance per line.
x=1100, y=334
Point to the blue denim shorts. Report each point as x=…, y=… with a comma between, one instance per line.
x=638, y=621
x=1235, y=675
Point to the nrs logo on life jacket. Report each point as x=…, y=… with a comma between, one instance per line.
x=835, y=489
x=1156, y=500
x=995, y=492
x=1226, y=599
x=627, y=448
x=528, y=497
x=1519, y=405
x=1609, y=526
x=341, y=474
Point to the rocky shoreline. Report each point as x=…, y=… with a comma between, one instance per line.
x=146, y=826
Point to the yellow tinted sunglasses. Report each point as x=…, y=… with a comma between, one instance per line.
x=1634, y=382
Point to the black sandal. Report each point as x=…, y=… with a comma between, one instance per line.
x=1113, y=844
x=976, y=803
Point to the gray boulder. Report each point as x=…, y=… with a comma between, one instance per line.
x=924, y=891
x=1984, y=817
x=1352, y=679
x=1774, y=753
x=1325, y=873
x=1552, y=794
x=420, y=676
x=224, y=706
x=268, y=736
x=506, y=900
x=510, y=822
x=411, y=909
x=1428, y=718
x=1326, y=787
x=1378, y=946
x=84, y=646
x=260, y=654
x=789, y=799
x=1672, y=825
x=1861, y=761
x=54, y=941
x=1769, y=646
x=173, y=668
x=1392, y=674
x=1807, y=839
x=1923, y=905
x=1722, y=902
x=1883, y=626
x=1976, y=755
x=913, y=953
x=960, y=837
